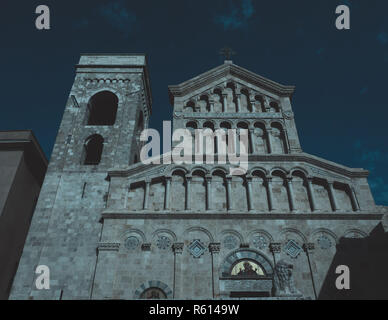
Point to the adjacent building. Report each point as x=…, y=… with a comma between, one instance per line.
x=22, y=169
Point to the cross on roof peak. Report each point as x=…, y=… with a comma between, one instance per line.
x=227, y=53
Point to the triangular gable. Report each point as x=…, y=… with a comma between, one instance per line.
x=224, y=70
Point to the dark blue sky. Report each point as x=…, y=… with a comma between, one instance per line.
x=340, y=76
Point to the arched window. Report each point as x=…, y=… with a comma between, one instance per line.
x=208, y=124
x=218, y=101
x=274, y=107
x=302, y=197
x=191, y=125
x=178, y=190
x=190, y=107
x=225, y=126
x=279, y=144
x=260, y=191
x=207, y=146
x=102, y=109
x=198, y=189
x=280, y=192
x=246, y=105
x=243, y=125
x=260, y=139
x=231, y=97
x=218, y=191
x=204, y=103
x=259, y=105
x=93, y=149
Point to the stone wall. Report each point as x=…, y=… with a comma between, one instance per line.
x=146, y=251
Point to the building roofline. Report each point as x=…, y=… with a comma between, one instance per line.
x=113, y=54
x=33, y=139
x=221, y=71
x=35, y=158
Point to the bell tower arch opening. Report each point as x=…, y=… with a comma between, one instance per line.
x=93, y=149
x=102, y=109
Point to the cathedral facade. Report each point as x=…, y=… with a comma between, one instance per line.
x=110, y=227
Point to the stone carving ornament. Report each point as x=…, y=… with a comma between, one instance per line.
x=288, y=115
x=324, y=242
x=292, y=248
x=131, y=243
x=196, y=248
x=284, y=281
x=178, y=115
x=230, y=242
x=259, y=242
x=163, y=242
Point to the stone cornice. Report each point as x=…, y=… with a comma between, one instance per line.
x=229, y=115
x=137, y=169
x=229, y=69
x=105, y=63
x=108, y=246
x=117, y=214
x=310, y=159
x=255, y=160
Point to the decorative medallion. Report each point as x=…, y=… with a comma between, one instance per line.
x=163, y=242
x=197, y=248
x=131, y=243
x=230, y=242
x=259, y=242
x=324, y=242
x=292, y=248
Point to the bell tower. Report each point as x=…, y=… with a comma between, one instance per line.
x=108, y=107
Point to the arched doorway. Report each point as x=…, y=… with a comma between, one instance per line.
x=153, y=293
x=246, y=273
x=153, y=289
